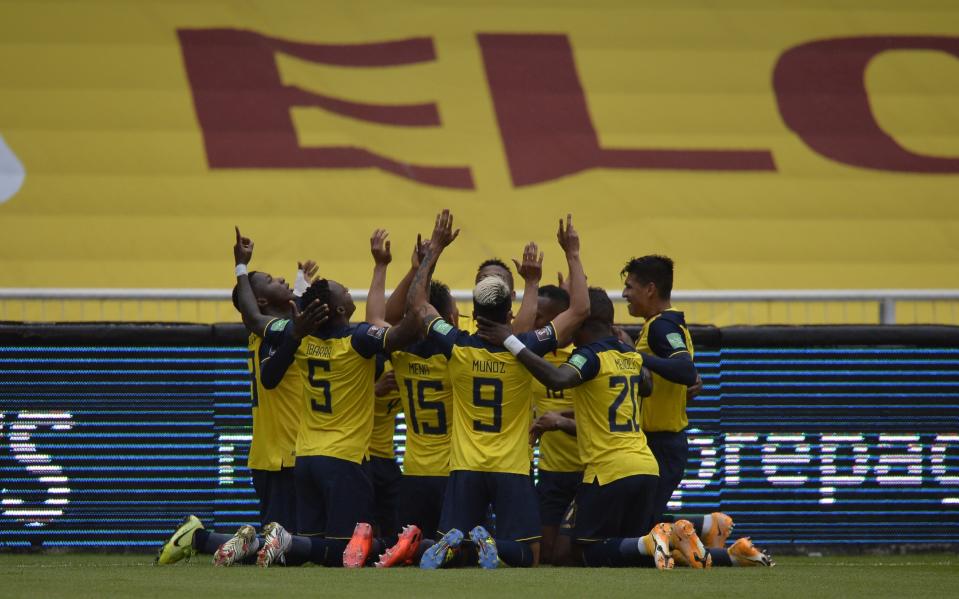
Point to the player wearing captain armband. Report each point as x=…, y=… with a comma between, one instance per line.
x=491, y=399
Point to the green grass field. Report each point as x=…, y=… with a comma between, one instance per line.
x=82, y=575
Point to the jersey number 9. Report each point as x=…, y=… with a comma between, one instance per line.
x=492, y=387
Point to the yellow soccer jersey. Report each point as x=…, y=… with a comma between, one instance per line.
x=337, y=376
x=385, y=409
x=491, y=399
x=423, y=378
x=558, y=451
x=276, y=412
x=608, y=408
x=665, y=335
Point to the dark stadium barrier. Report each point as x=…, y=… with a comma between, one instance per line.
x=846, y=436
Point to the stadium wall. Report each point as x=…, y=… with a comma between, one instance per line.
x=846, y=437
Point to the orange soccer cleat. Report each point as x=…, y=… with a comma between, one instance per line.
x=359, y=546
x=720, y=529
x=657, y=545
x=687, y=548
x=744, y=553
x=403, y=552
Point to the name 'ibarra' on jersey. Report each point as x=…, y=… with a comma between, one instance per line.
x=324, y=351
x=489, y=366
x=416, y=368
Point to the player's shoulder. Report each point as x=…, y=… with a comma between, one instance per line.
x=670, y=317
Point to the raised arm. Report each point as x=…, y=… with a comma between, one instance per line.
x=531, y=269
x=396, y=304
x=376, y=299
x=569, y=320
x=553, y=377
x=254, y=320
x=417, y=305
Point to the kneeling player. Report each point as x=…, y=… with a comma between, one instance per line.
x=491, y=398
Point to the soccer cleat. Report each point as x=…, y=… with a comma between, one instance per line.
x=180, y=544
x=276, y=542
x=239, y=547
x=744, y=553
x=658, y=545
x=722, y=527
x=403, y=552
x=359, y=547
x=485, y=548
x=687, y=549
x=442, y=551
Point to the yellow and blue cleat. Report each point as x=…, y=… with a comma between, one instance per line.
x=442, y=552
x=180, y=543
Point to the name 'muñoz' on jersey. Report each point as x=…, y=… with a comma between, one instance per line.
x=491, y=398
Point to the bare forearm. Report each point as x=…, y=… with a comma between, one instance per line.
x=525, y=319
x=376, y=300
x=396, y=304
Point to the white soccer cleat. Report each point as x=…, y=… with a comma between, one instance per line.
x=242, y=545
x=276, y=542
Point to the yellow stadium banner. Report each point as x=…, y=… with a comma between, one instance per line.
x=762, y=144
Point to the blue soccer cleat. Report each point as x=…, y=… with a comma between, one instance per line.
x=442, y=551
x=485, y=548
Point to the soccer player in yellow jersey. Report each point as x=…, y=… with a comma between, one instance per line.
x=560, y=467
x=614, y=503
x=491, y=398
x=382, y=467
x=667, y=349
x=336, y=362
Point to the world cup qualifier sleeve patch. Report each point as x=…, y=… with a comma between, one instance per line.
x=544, y=333
x=442, y=327
x=676, y=341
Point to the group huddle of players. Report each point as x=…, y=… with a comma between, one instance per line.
x=609, y=415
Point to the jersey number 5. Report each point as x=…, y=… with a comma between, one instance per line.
x=492, y=387
x=327, y=405
x=630, y=388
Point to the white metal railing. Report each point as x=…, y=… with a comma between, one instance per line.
x=885, y=298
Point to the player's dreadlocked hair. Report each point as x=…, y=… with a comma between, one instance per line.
x=492, y=299
x=557, y=294
x=655, y=269
x=236, y=289
x=600, y=307
x=441, y=298
x=318, y=290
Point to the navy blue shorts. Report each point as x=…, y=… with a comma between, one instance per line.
x=385, y=475
x=421, y=502
x=556, y=491
x=620, y=509
x=332, y=495
x=469, y=494
x=671, y=451
x=276, y=492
